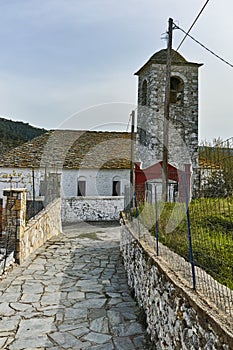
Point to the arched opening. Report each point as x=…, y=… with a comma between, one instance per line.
x=81, y=186
x=116, y=186
x=144, y=93
x=176, y=90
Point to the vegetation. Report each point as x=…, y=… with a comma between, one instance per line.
x=211, y=229
x=216, y=169
x=13, y=134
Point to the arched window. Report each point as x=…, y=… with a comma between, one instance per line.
x=176, y=90
x=144, y=93
x=81, y=186
x=116, y=186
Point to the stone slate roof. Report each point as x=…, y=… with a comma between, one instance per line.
x=72, y=149
x=160, y=57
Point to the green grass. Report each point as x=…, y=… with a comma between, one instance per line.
x=211, y=229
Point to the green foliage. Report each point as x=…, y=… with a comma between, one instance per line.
x=216, y=170
x=13, y=134
x=211, y=229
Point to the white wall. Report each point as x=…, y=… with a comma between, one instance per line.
x=19, y=178
x=98, y=181
x=91, y=209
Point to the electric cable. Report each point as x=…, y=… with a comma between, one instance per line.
x=192, y=25
x=128, y=123
x=206, y=48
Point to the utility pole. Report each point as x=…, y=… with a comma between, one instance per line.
x=132, y=159
x=167, y=112
x=33, y=192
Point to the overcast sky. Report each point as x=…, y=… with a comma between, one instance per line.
x=60, y=58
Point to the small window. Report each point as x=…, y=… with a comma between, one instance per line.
x=116, y=188
x=141, y=134
x=81, y=188
x=176, y=90
x=144, y=93
x=42, y=188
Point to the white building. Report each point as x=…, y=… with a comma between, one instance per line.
x=93, y=168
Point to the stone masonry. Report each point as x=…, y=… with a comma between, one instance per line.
x=75, y=209
x=183, y=131
x=72, y=294
x=31, y=235
x=177, y=318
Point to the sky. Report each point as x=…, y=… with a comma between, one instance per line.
x=71, y=63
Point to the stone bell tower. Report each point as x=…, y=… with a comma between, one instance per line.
x=183, y=128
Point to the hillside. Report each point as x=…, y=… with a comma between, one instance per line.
x=13, y=134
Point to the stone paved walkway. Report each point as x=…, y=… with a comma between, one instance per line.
x=72, y=294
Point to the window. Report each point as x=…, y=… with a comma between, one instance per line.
x=81, y=187
x=42, y=188
x=116, y=188
x=176, y=90
x=144, y=93
x=141, y=134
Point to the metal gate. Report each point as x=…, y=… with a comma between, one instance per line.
x=8, y=234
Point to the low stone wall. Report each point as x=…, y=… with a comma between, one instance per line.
x=76, y=209
x=39, y=229
x=177, y=317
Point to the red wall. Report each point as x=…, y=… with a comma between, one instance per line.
x=156, y=172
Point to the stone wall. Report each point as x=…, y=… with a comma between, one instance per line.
x=183, y=126
x=177, y=317
x=76, y=209
x=39, y=229
x=28, y=236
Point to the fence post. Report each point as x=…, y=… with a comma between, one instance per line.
x=189, y=231
x=137, y=215
x=16, y=216
x=156, y=223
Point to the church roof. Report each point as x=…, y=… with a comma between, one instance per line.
x=160, y=57
x=72, y=149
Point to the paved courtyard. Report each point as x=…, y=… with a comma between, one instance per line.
x=71, y=294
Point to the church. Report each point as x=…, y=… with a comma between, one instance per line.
x=94, y=167
x=183, y=124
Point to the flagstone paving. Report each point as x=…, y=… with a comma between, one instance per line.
x=71, y=294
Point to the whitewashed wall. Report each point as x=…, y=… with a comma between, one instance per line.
x=98, y=182
x=21, y=178
x=77, y=209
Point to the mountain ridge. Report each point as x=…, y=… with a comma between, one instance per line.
x=15, y=133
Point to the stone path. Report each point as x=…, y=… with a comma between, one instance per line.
x=72, y=294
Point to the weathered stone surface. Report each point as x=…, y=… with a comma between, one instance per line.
x=6, y=310
x=100, y=325
x=123, y=344
x=65, y=340
x=174, y=317
x=65, y=308
x=30, y=343
x=98, y=338
x=35, y=327
x=183, y=121
x=93, y=208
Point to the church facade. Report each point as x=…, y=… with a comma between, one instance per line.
x=183, y=124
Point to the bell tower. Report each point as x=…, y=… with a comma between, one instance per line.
x=183, y=125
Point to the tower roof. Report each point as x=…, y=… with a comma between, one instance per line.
x=160, y=57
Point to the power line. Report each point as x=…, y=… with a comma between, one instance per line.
x=198, y=42
x=130, y=116
x=128, y=123
x=192, y=25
